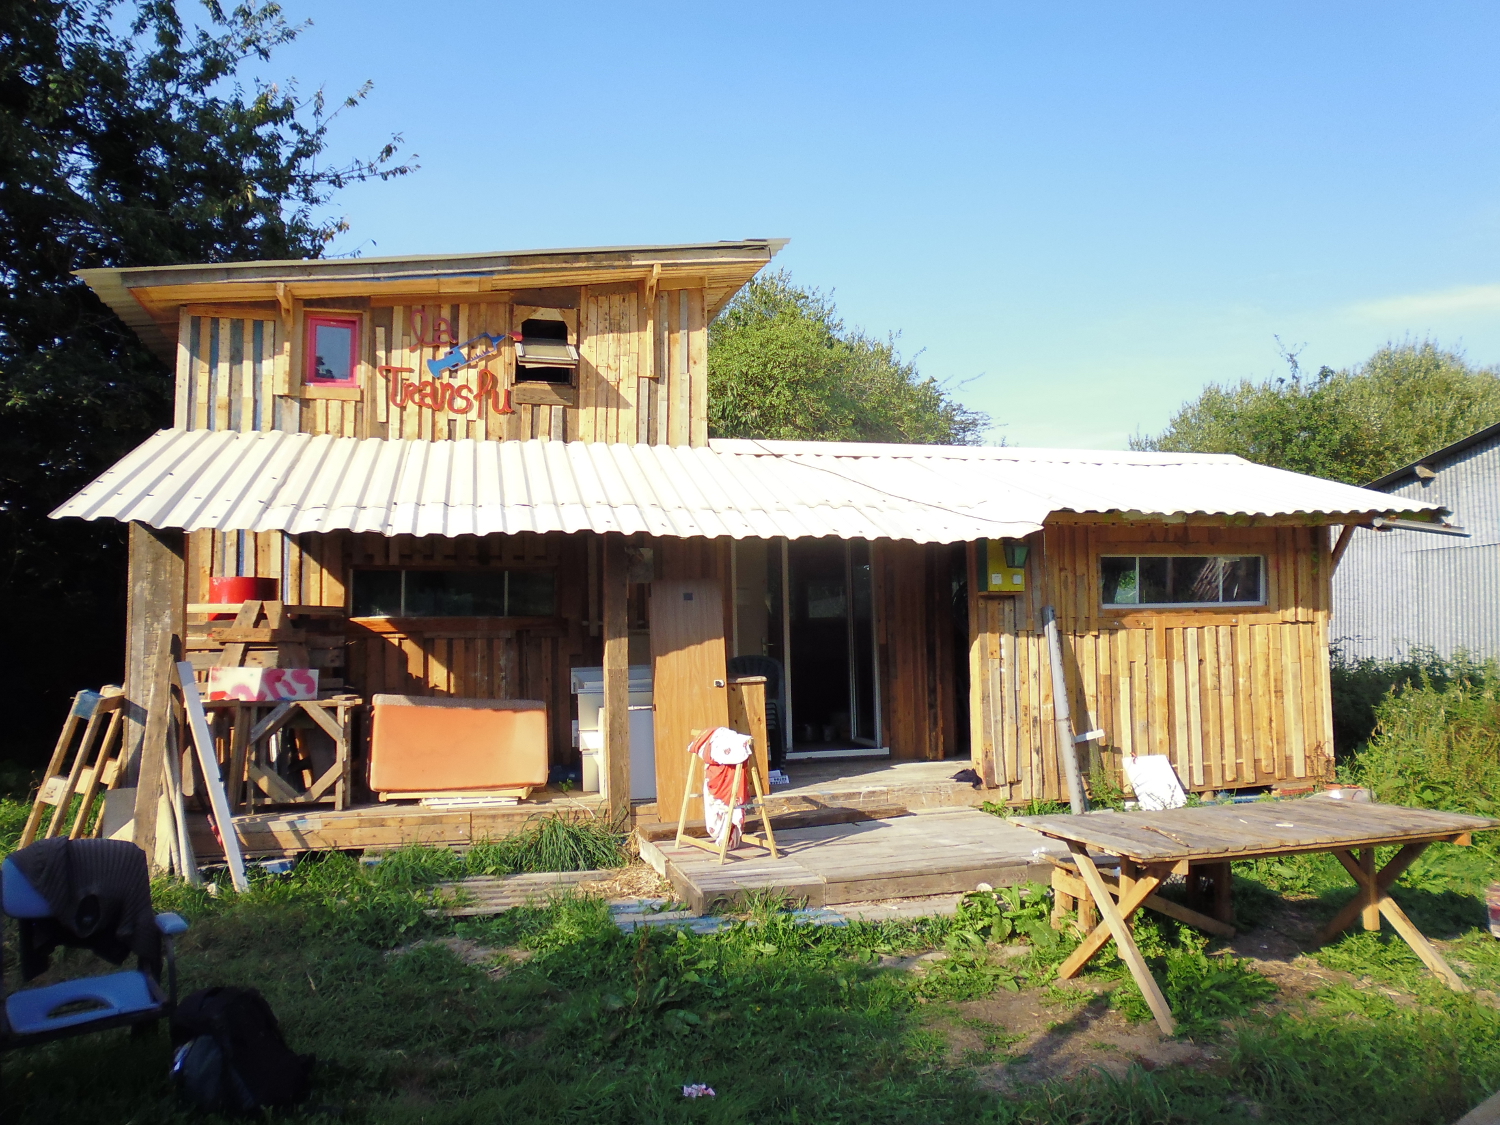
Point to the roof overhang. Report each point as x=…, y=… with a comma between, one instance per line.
x=148, y=298
x=298, y=483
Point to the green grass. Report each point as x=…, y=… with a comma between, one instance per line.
x=553, y=1015
x=566, y=1019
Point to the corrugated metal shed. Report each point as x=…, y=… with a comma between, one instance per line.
x=274, y=481
x=1400, y=591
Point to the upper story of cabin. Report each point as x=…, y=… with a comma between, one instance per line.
x=567, y=345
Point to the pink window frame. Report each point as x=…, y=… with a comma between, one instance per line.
x=310, y=355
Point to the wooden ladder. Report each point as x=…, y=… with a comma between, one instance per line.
x=99, y=713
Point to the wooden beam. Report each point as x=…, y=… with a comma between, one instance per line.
x=616, y=717
x=154, y=622
x=1119, y=928
x=1340, y=546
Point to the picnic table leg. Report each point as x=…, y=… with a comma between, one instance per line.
x=1369, y=915
x=1223, y=876
x=1370, y=888
x=1098, y=933
x=1063, y=903
x=1387, y=878
x=1119, y=928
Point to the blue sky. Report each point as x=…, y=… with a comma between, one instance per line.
x=1074, y=214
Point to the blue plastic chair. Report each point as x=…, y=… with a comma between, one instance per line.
x=132, y=997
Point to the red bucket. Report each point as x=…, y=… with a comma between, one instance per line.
x=235, y=591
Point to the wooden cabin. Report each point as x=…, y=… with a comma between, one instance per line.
x=354, y=430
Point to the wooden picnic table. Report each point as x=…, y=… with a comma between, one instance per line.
x=1203, y=841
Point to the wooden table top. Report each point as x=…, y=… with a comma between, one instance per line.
x=1218, y=832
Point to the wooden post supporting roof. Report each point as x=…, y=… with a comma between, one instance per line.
x=616, y=717
x=154, y=623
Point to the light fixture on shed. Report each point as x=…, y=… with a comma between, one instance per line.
x=1016, y=551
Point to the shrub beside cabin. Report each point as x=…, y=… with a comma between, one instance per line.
x=494, y=469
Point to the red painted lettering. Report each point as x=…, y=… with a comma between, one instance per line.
x=442, y=331
x=461, y=399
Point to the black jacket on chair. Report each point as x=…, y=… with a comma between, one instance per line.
x=100, y=895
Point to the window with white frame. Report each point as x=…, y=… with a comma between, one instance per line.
x=1163, y=581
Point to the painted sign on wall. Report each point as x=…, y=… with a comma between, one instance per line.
x=455, y=398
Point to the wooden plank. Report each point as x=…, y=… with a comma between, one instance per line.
x=203, y=741
x=203, y=373
x=1181, y=752
x=698, y=366
x=219, y=409
x=1120, y=930
x=1193, y=689
x=1228, y=705
x=181, y=400
x=1213, y=730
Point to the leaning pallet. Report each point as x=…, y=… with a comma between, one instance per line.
x=94, y=766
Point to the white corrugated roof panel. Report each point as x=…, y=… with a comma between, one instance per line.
x=274, y=481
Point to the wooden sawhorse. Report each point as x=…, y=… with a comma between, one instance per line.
x=693, y=790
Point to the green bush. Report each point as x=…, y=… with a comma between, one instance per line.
x=1359, y=685
x=1437, y=743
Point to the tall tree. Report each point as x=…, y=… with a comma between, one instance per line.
x=782, y=365
x=1353, y=425
x=126, y=139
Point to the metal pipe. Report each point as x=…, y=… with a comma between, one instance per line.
x=1063, y=715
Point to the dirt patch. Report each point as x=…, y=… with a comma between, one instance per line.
x=496, y=962
x=1015, y=1039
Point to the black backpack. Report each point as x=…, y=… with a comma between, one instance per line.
x=230, y=1056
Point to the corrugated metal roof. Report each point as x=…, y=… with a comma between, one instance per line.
x=274, y=481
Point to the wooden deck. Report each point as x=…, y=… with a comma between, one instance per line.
x=852, y=787
x=943, y=851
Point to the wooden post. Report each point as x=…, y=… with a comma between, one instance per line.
x=154, y=621
x=1340, y=546
x=1223, y=893
x=616, y=717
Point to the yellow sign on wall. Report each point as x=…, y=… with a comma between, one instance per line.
x=999, y=577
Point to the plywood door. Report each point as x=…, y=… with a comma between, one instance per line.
x=687, y=653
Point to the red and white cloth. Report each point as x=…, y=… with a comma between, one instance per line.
x=724, y=802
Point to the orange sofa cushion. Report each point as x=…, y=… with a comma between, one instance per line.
x=426, y=744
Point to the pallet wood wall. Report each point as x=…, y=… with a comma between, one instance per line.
x=231, y=371
x=1235, y=697
x=642, y=377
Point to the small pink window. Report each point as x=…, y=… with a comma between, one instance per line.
x=332, y=355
